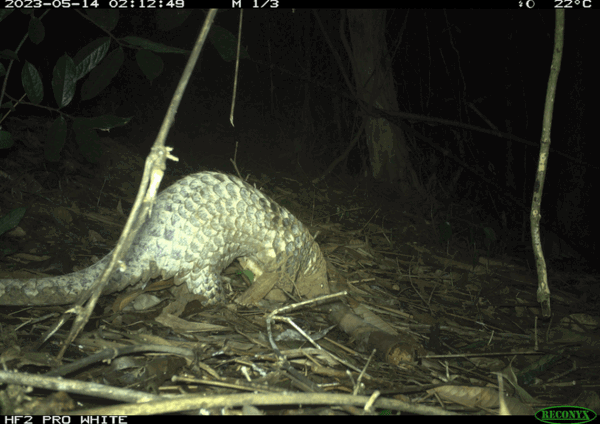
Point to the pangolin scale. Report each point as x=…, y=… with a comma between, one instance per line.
x=197, y=227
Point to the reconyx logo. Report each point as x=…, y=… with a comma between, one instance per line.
x=565, y=414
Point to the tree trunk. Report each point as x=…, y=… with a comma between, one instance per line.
x=373, y=75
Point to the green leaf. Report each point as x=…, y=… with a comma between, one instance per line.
x=101, y=76
x=11, y=219
x=6, y=140
x=248, y=274
x=151, y=45
x=150, y=63
x=57, y=135
x=37, y=31
x=226, y=44
x=445, y=231
x=32, y=83
x=167, y=20
x=104, y=18
x=64, y=81
x=90, y=56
